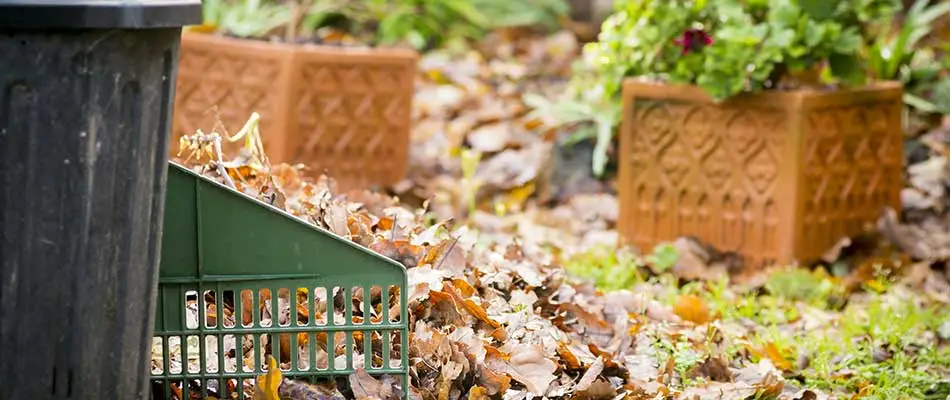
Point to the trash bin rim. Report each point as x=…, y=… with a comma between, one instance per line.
x=93, y=14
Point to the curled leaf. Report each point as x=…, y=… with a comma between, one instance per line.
x=266, y=387
x=693, y=309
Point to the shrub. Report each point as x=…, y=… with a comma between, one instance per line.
x=420, y=23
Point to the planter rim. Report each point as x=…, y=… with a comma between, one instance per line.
x=303, y=47
x=696, y=92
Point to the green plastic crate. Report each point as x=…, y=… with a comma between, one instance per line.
x=231, y=248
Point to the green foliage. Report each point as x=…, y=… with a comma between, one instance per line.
x=683, y=353
x=756, y=45
x=246, y=18
x=421, y=23
x=663, y=258
x=506, y=13
x=604, y=115
x=418, y=22
x=884, y=342
x=895, y=55
x=797, y=284
x=890, y=52
x=609, y=268
x=926, y=85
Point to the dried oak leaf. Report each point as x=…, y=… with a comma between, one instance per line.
x=442, y=309
x=423, y=280
x=606, y=357
x=446, y=255
x=465, y=289
x=365, y=386
x=478, y=393
x=692, y=308
x=470, y=344
x=399, y=250
x=490, y=138
x=360, y=226
x=772, y=352
x=336, y=217
x=598, y=390
x=470, y=306
x=451, y=371
x=770, y=387
x=266, y=386
x=528, y=366
x=294, y=390
x=714, y=368
x=493, y=382
x=567, y=358
x=589, y=320
x=590, y=375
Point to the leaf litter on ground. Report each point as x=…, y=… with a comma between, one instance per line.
x=495, y=312
x=499, y=316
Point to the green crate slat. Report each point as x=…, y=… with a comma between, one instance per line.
x=221, y=243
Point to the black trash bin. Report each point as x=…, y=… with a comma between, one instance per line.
x=86, y=92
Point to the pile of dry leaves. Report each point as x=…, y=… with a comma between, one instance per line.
x=495, y=318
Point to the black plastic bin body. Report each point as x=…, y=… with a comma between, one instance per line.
x=85, y=105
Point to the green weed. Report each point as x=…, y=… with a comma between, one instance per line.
x=608, y=267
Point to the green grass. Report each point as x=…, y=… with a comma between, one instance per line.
x=881, y=345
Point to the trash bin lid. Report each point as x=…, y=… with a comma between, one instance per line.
x=130, y=14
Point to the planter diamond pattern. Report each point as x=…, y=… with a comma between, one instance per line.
x=775, y=177
x=341, y=111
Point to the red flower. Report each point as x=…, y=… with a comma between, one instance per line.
x=693, y=40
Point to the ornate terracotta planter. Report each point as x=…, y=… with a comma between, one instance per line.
x=776, y=177
x=341, y=110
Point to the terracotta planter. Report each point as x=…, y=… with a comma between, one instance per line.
x=776, y=177
x=344, y=111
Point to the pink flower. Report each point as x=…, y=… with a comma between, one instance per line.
x=693, y=40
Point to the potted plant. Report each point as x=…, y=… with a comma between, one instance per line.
x=752, y=125
x=329, y=101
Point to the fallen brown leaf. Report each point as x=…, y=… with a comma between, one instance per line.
x=692, y=308
x=528, y=366
x=590, y=375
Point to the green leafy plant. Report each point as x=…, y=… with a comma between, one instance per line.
x=604, y=116
x=663, y=258
x=420, y=23
x=246, y=18
x=892, y=52
x=613, y=268
x=797, y=284
x=609, y=268
x=507, y=13
x=895, y=54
